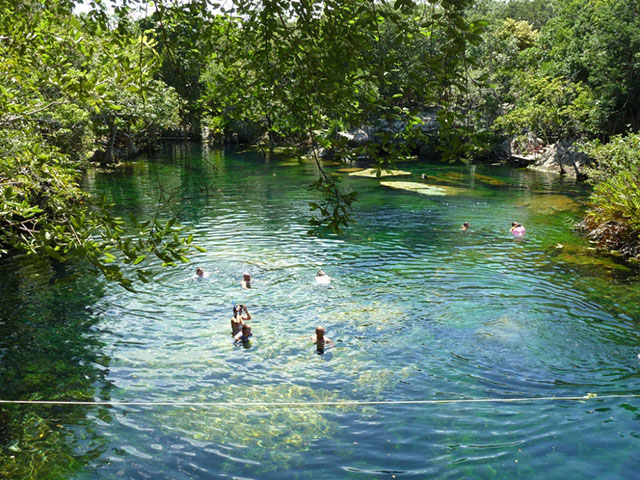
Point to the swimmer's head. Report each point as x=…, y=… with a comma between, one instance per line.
x=246, y=277
x=199, y=272
x=320, y=331
x=514, y=224
x=320, y=273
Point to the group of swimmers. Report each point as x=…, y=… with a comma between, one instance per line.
x=517, y=229
x=241, y=330
x=201, y=275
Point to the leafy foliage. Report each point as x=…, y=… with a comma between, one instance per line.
x=306, y=71
x=551, y=108
x=620, y=153
x=302, y=72
x=596, y=43
x=67, y=82
x=613, y=219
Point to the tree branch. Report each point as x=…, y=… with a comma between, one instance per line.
x=33, y=112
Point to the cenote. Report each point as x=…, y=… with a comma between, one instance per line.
x=417, y=309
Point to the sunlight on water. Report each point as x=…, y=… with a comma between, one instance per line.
x=417, y=310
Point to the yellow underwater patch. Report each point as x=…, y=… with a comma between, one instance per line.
x=546, y=204
x=424, y=189
x=373, y=173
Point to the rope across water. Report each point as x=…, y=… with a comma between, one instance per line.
x=346, y=403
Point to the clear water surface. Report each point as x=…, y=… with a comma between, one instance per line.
x=417, y=309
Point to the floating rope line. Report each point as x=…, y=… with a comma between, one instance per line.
x=344, y=403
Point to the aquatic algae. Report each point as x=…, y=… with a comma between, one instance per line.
x=373, y=173
x=455, y=176
x=436, y=179
x=374, y=312
x=466, y=177
x=548, y=204
x=288, y=164
x=505, y=329
x=256, y=432
x=424, y=189
x=582, y=256
x=586, y=259
x=375, y=381
x=488, y=180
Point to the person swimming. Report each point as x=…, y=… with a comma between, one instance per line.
x=322, y=277
x=517, y=230
x=243, y=335
x=237, y=321
x=465, y=226
x=320, y=340
x=246, y=280
x=319, y=337
x=199, y=275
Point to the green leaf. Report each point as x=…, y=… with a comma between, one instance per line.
x=139, y=259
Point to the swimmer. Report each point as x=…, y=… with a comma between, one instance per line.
x=200, y=274
x=465, y=226
x=319, y=339
x=517, y=230
x=237, y=321
x=322, y=277
x=243, y=335
x=246, y=281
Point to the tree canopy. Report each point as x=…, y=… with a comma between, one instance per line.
x=71, y=85
x=100, y=85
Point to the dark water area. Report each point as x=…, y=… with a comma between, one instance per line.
x=417, y=311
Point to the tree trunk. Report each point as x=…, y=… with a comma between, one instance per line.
x=109, y=153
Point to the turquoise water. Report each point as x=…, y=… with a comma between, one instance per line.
x=417, y=310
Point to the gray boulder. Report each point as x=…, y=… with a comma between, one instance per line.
x=562, y=157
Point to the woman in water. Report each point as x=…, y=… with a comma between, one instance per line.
x=517, y=230
x=322, y=277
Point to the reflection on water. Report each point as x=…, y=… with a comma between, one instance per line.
x=49, y=349
x=417, y=310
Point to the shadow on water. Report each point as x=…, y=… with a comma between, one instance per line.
x=48, y=351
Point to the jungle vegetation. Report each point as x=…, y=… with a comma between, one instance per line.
x=92, y=85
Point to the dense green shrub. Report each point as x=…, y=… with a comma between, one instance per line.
x=67, y=83
x=613, y=218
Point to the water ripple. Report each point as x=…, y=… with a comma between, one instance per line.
x=416, y=310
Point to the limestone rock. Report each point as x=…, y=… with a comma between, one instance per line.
x=561, y=157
